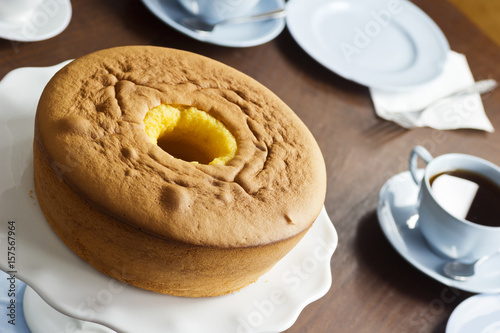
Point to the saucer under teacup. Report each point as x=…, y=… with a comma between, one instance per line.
x=398, y=217
x=237, y=35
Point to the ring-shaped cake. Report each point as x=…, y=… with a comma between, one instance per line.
x=173, y=172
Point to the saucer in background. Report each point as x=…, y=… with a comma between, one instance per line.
x=480, y=313
x=49, y=19
x=234, y=35
x=391, y=45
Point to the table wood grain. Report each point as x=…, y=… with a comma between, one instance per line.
x=484, y=13
x=373, y=289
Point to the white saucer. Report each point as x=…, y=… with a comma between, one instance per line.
x=74, y=288
x=236, y=35
x=391, y=45
x=48, y=20
x=479, y=314
x=397, y=214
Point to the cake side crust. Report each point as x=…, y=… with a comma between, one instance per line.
x=137, y=258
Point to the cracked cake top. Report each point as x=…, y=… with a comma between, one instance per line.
x=90, y=128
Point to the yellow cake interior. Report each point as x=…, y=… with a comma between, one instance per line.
x=190, y=134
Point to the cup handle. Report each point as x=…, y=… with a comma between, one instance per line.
x=418, y=151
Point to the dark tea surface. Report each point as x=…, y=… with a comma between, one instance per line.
x=468, y=195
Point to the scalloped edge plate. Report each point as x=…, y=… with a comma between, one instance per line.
x=74, y=288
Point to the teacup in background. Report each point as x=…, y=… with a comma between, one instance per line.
x=446, y=234
x=17, y=10
x=217, y=10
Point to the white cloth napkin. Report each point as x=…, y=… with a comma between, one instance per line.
x=411, y=108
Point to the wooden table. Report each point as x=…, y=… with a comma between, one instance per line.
x=374, y=289
x=484, y=13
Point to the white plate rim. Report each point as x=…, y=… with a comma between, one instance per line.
x=42, y=280
x=297, y=13
x=18, y=31
x=456, y=319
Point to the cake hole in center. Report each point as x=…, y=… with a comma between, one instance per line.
x=190, y=134
x=185, y=150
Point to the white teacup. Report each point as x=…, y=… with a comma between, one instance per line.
x=217, y=10
x=17, y=10
x=446, y=231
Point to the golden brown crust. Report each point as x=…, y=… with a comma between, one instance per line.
x=142, y=260
x=89, y=128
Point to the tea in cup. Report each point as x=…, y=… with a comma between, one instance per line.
x=218, y=10
x=459, y=204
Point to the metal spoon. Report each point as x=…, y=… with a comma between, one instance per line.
x=461, y=271
x=199, y=25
